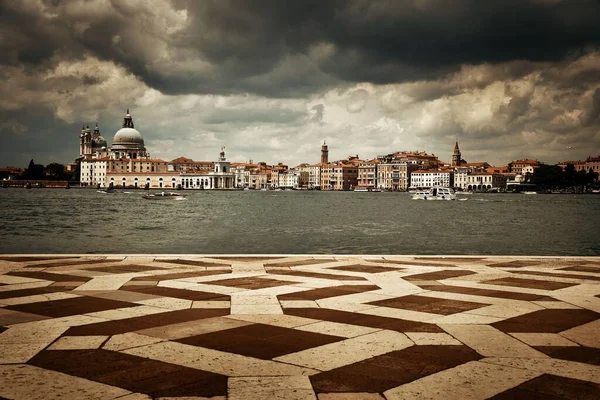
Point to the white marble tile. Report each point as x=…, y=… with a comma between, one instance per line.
x=129, y=340
x=564, y=368
x=241, y=299
x=337, y=329
x=128, y=312
x=33, y=383
x=298, y=304
x=284, y=321
x=170, y=303
x=471, y=381
x=555, y=305
x=348, y=351
x=193, y=328
x=272, y=388
x=542, y=339
x=78, y=343
x=430, y=338
x=211, y=304
x=108, y=282
x=219, y=362
x=490, y=342
x=400, y=314
x=38, y=298
x=586, y=335
x=265, y=309
x=350, y=396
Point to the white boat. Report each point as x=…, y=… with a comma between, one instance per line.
x=436, y=193
x=529, y=192
x=164, y=196
x=366, y=189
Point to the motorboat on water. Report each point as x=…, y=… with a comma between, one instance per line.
x=107, y=190
x=436, y=193
x=366, y=189
x=164, y=196
x=529, y=192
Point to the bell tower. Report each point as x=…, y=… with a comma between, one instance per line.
x=324, y=153
x=456, y=156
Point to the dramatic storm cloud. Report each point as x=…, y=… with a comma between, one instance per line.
x=270, y=80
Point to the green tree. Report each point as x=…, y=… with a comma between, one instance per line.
x=56, y=171
x=34, y=171
x=548, y=175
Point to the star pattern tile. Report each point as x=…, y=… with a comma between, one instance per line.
x=310, y=327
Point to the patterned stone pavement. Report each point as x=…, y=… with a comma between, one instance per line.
x=292, y=327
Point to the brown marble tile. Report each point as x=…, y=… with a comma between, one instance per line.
x=552, y=387
x=48, y=276
x=9, y=317
x=314, y=275
x=587, y=355
x=371, y=321
x=451, y=259
x=559, y=275
x=72, y=306
x=482, y=292
x=384, y=372
x=514, y=264
x=2, y=329
x=137, y=374
x=529, y=283
x=11, y=294
x=81, y=262
x=196, y=263
x=251, y=283
x=181, y=275
x=582, y=268
x=438, y=275
x=302, y=262
x=323, y=293
x=420, y=263
x=126, y=268
x=146, y=321
x=260, y=340
x=369, y=269
x=177, y=293
x=30, y=259
x=428, y=304
x=247, y=259
x=549, y=321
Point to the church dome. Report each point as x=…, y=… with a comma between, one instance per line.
x=128, y=136
x=99, y=142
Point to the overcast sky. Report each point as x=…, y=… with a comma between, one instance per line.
x=270, y=80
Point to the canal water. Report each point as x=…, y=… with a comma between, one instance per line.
x=297, y=222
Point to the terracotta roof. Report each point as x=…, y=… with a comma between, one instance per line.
x=141, y=173
x=526, y=161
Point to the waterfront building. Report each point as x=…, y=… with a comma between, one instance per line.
x=314, y=174
x=421, y=158
x=340, y=175
x=241, y=174
x=461, y=177
x=142, y=180
x=518, y=165
x=293, y=179
x=592, y=163
x=484, y=181
x=367, y=174
x=395, y=175
x=182, y=164
x=260, y=178
x=430, y=178
x=221, y=177
x=276, y=171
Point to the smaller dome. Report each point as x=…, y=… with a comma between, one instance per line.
x=128, y=136
x=99, y=142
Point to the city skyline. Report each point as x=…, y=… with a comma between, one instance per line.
x=271, y=81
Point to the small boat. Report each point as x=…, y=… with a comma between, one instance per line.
x=529, y=192
x=164, y=196
x=436, y=193
x=107, y=191
x=366, y=189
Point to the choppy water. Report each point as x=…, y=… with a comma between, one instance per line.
x=300, y=222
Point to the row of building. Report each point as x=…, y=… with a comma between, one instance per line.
x=127, y=163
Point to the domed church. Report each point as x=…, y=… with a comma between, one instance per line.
x=127, y=143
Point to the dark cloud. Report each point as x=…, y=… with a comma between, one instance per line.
x=245, y=46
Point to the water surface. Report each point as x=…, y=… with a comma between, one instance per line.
x=298, y=222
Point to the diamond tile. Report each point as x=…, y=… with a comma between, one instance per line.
x=428, y=304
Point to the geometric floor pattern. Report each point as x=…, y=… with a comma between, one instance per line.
x=299, y=327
